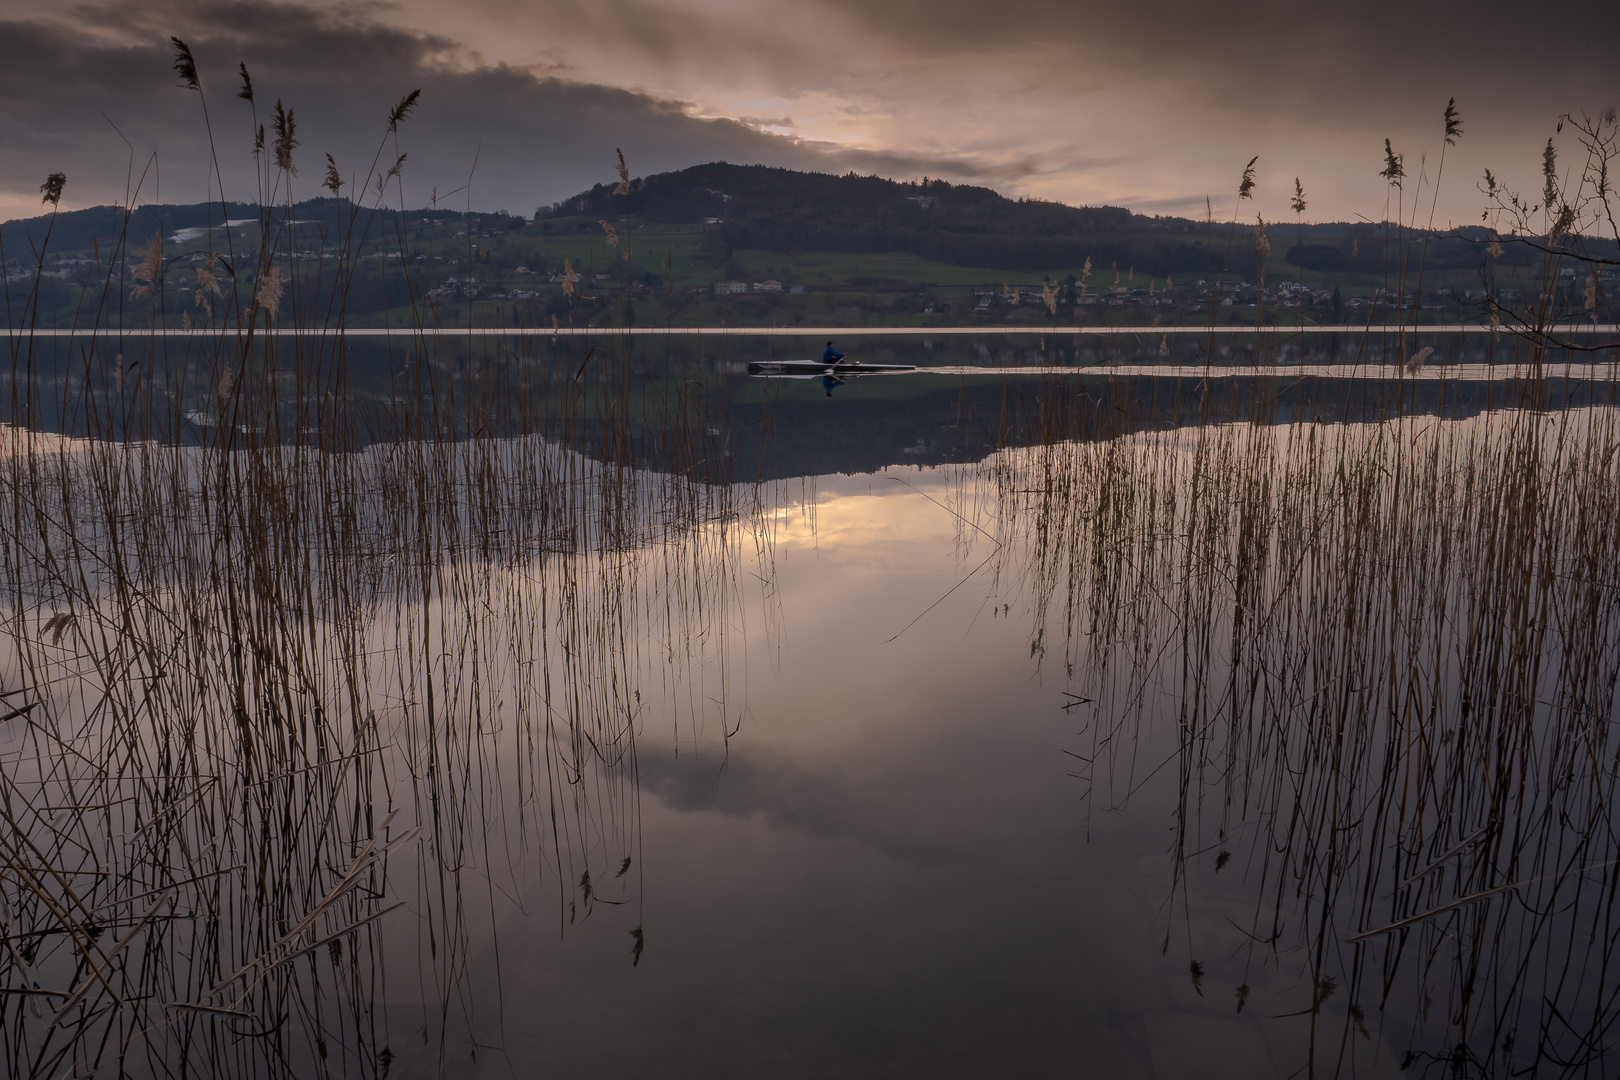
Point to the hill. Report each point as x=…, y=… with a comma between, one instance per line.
x=751, y=245
x=770, y=209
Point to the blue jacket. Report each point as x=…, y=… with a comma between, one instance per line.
x=830, y=355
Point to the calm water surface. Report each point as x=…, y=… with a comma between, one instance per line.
x=1121, y=725
x=886, y=864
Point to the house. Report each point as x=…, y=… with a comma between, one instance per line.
x=800, y=290
x=769, y=285
x=730, y=288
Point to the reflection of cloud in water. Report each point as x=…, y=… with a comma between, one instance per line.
x=869, y=803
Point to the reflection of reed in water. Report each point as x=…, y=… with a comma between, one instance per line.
x=267, y=709
x=1387, y=656
x=300, y=656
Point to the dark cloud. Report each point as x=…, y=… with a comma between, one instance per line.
x=1150, y=105
x=69, y=99
x=1273, y=57
x=1181, y=92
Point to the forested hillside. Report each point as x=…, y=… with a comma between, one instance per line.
x=739, y=244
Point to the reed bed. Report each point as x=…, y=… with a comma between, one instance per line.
x=258, y=699
x=295, y=671
x=1380, y=659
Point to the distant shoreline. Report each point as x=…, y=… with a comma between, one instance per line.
x=815, y=331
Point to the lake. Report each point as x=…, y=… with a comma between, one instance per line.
x=1154, y=713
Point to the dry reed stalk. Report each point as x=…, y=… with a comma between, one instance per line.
x=1388, y=699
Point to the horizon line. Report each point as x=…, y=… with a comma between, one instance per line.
x=19, y=333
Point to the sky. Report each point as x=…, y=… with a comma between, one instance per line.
x=1156, y=106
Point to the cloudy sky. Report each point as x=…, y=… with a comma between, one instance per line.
x=1150, y=105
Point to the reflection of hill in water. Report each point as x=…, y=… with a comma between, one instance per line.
x=1373, y=664
x=786, y=428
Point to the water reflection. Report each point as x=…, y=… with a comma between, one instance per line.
x=1132, y=726
x=280, y=725
x=1379, y=665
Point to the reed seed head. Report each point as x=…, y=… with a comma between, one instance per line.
x=1420, y=358
x=1453, y=123
x=51, y=189
x=1549, y=176
x=286, y=139
x=624, y=177
x=246, y=93
x=267, y=294
x=1299, y=197
x=185, y=66
x=1246, y=185
x=150, y=269
x=208, y=284
x=611, y=234
x=402, y=109
x=334, y=179
x=1394, y=170
x=1562, y=223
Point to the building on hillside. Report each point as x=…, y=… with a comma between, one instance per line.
x=730, y=288
x=769, y=285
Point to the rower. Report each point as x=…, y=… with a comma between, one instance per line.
x=830, y=355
